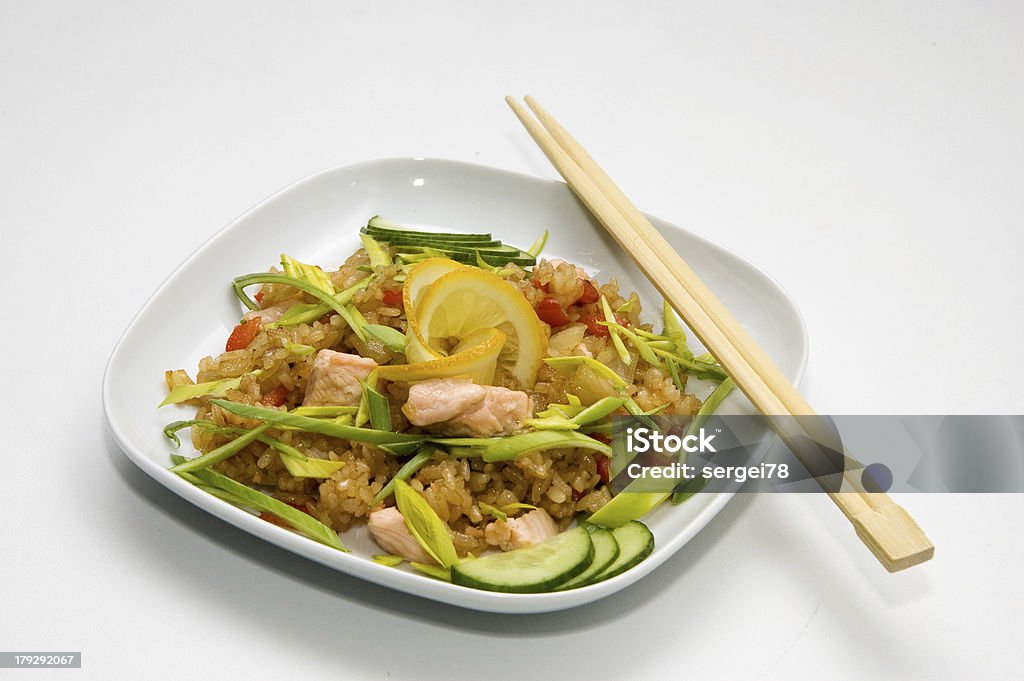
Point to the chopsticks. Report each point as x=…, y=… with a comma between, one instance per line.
x=885, y=527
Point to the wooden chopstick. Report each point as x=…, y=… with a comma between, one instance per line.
x=886, y=528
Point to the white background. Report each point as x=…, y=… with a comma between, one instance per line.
x=868, y=155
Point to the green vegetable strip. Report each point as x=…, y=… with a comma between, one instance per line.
x=220, y=453
x=508, y=448
x=311, y=274
x=333, y=301
x=639, y=343
x=329, y=411
x=387, y=559
x=300, y=313
x=363, y=413
x=215, y=388
x=213, y=483
x=620, y=347
x=676, y=378
x=709, y=407
x=305, y=523
x=408, y=469
x=391, y=338
x=311, y=425
x=692, y=366
x=598, y=410
x=355, y=320
x=171, y=429
x=574, y=362
x=487, y=509
x=380, y=413
x=378, y=254
x=425, y=525
x=538, y=245
x=437, y=572
x=674, y=330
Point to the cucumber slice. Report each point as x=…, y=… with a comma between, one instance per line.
x=635, y=543
x=427, y=239
x=384, y=225
x=606, y=550
x=523, y=259
x=498, y=250
x=530, y=570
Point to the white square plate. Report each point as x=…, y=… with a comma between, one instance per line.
x=317, y=220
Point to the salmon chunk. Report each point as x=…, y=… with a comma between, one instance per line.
x=387, y=527
x=334, y=379
x=459, y=407
x=531, y=528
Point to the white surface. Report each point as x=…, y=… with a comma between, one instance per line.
x=419, y=193
x=866, y=154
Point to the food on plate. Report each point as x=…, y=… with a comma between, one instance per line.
x=451, y=392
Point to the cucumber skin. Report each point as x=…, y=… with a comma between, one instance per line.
x=571, y=584
x=538, y=587
x=633, y=561
x=380, y=224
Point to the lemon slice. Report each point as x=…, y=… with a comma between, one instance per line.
x=419, y=277
x=467, y=300
x=476, y=358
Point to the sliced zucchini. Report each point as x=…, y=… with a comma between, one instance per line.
x=606, y=550
x=635, y=543
x=531, y=570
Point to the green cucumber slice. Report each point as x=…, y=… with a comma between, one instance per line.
x=523, y=259
x=380, y=224
x=606, y=550
x=635, y=543
x=427, y=239
x=530, y=570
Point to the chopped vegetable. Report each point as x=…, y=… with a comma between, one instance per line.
x=329, y=411
x=487, y=509
x=692, y=366
x=408, y=469
x=435, y=571
x=425, y=525
x=225, y=451
x=710, y=406
x=620, y=347
x=639, y=343
x=594, y=327
x=387, y=559
x=302, y=313
x=392, y=298
x=305, y=523
x=276, y=397
x=538, y=245
x=299, y=349
x=243, y=335
x=309, y=273
x=550, y=312
x=391, y=338
x=191, y=391
x=271, y=416
x=590, y=294
x=574, y=362
x=378, y=408
x=378, y=254
x=674, y=330
x=508, y=448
